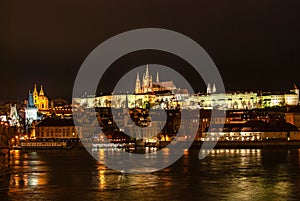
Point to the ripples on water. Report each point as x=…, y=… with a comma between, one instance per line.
x=226, y=174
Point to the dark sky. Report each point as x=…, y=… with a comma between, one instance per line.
x=254, y=43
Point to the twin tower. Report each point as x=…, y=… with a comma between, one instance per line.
x=39, y=100
x=211, y=90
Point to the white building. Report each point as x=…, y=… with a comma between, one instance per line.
x=31, y=111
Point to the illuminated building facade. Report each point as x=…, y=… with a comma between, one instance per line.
x=253, y=131
x=146, y=85
x=228, y=101
x=13, y=116
x=55, y=128
x=31, y=111
x=165, y=94
x=293, y=116
x=40, y=100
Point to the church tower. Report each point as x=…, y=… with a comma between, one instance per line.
x=137, y=84
x=143, y=84
x=214, y=89
x=31, y=109
x=43, y=100
x=30, y=102
x=41, y=91
x=157, y=77
x=35, y=96
x=147, y=82
x=208, y=90
x=150, y=83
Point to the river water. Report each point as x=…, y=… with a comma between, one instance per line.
x=226, y=174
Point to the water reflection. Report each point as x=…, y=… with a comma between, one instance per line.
x=257, y=174
x=28, y=170
x=226, y=174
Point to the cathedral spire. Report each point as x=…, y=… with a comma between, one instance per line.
x=147, y=81
x=147, y=71
x=42, y=91
x=137, y=84
x=35, y=90
x=208, y=89
x=214, y=89
x=143, y=81
x=150, y=83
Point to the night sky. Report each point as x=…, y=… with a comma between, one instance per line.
x=254, y=43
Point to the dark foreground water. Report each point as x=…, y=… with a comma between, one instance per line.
x=226, y=174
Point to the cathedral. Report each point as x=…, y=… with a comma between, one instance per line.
x=40, y=100
x=37, y=102
x=146, y=85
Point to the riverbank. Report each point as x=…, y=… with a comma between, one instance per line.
x=195, y=145
x=4, y=166
x=251, y=144
x=240, y=144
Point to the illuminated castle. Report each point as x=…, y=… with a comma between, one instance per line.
x=40, y=100
x=148, y=86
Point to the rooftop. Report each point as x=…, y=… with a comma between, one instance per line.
x=56, y=122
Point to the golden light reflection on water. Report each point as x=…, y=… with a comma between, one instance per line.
x=231, y=152
x=226, y=174
x=282, y=188
x=15, y=157
x=248, y=189
x=139, y=180
x=101, y=177
x=252, y=180
x=27, y=170
x=28, y=179
x=103, y=155
x=107, y=179
x=243, y=189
